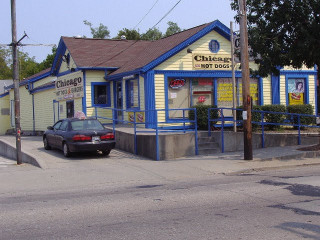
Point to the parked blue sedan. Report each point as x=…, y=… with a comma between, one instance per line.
x=79, y=135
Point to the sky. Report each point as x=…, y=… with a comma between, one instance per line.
x=45, y=21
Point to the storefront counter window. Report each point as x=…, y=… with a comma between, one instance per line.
x=100, y=94
x=132, y=93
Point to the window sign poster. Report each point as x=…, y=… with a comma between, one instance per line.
x=296, y=91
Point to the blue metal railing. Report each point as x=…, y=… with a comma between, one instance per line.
x=183, y=124
x=288, y=119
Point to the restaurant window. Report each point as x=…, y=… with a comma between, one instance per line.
x=202, y=91
x=178, y=97
x=101, y=94
x=296, y=91
x=132, y=93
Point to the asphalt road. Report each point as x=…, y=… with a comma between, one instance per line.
x=282, y=204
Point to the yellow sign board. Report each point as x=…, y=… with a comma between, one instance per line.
x=211, y=62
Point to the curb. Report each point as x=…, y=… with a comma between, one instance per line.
x=9, y=151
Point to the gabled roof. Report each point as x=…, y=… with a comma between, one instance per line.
x=124, y=56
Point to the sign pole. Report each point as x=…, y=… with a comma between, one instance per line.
x=247, y=127
x=234, y=112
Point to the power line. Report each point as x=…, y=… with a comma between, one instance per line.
x=146, y=14
x=167, y=13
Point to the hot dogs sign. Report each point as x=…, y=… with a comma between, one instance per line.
x=69, y=86
x=296, y=91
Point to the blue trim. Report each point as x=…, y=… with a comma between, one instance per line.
x=107, y=84
x=198, y=73
x=260, y=91
x=298, y=72
x=150, y=103
x=40, y=89
x=4, y=94
x=84, y=98
x=67, y=72
x=121, y=75
x=31, y=80
x=275, y=86
x=216, y=25
x=215, y=84
x=99, y=68
x=58, y=58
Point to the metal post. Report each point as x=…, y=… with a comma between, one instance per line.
x=196, y=133
x=234, y=112
x=247, y=127
x=16, y=82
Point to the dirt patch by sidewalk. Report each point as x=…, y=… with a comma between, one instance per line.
x=310, y=148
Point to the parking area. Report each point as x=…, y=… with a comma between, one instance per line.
x=33, y=145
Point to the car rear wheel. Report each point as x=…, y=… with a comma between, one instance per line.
x=106, y=152
x=46, y=144
x=66, y=151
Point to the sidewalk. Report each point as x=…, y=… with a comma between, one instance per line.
x=222, y=163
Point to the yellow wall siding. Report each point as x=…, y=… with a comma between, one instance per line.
x=160, y=96
x=267, y=92
x=26, y=110
x=43, y=105
x=183, y=60
x=64, y=67
x=297, y=69
x=4, y=118
x=142, y=96
x=283, y=97
x=44, y=81
x=312, y=96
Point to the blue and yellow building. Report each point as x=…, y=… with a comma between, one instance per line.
x=188, y=68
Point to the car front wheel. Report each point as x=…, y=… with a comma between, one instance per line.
x=66, y=151
x=46, y=144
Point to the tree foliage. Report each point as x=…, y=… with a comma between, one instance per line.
x=49, y=60
x=5, y=71
x=172, y=29
x=99, y=32
x=283, y=33
x=152, y=34
x=130, y=34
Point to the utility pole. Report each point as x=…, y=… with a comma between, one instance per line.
x=234, y=112
x=247, y=127
x=16, y=81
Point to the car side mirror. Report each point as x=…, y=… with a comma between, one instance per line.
x=50, y=128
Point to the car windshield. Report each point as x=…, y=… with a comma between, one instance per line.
x=86, y=125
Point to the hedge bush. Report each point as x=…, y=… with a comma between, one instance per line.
x=301, y=109
x=202, y=115
x=274, y=117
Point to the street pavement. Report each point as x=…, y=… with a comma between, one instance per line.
x=221, y=163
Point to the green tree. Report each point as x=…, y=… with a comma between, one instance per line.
x=27, y=65
x=99, y=32
x=152, y=34
x=5, y=71
x=283, y=32
x=47, y=63
x=130, y=34
x=172, y=29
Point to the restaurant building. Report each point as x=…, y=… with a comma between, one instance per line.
x=97, y=76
